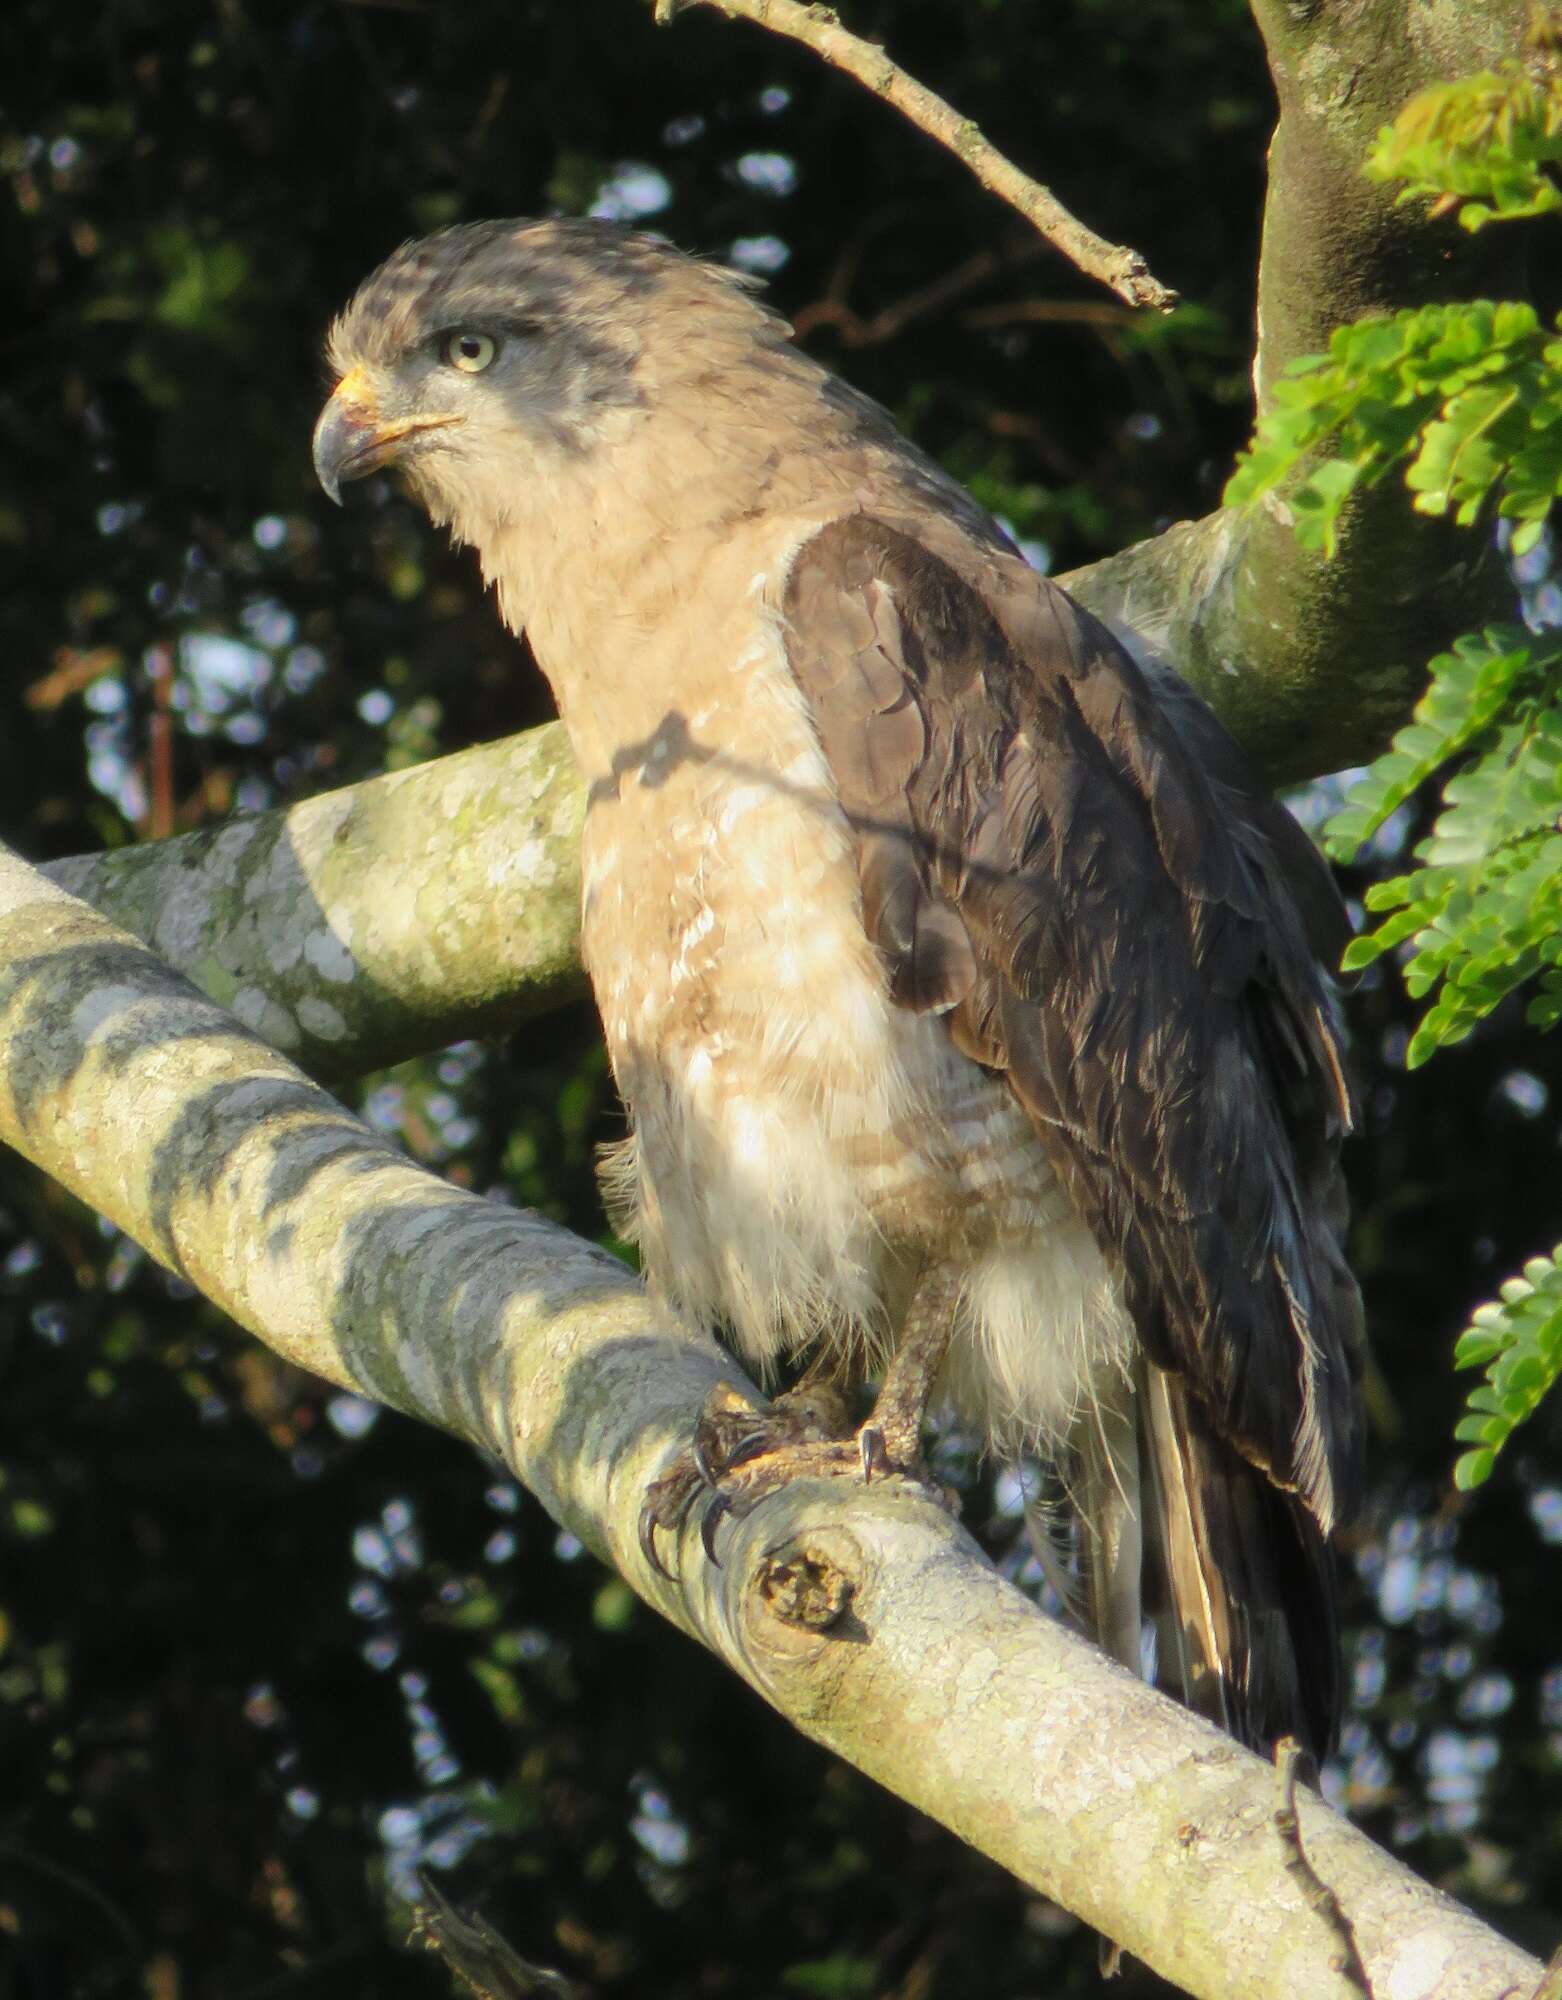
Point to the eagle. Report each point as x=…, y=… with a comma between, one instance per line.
x=964, y=988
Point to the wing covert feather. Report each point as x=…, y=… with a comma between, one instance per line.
x=1078, y=872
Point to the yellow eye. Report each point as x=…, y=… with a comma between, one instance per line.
x=470, y=352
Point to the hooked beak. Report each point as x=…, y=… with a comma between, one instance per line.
x=352, y=438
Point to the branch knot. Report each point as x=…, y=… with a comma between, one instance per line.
x=806, y=1588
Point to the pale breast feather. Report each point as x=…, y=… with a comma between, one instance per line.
x=777, y=1125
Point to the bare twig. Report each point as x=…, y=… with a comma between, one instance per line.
x=1315, y=1891
x=1550, y=1987
x=477, y=1955
x=859, y=330
x=1047, y=312
x=74, y=668
x=131, y=1940
x=159, y=817
x=819, y=28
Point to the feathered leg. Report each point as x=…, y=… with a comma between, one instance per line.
x=1108, y=1478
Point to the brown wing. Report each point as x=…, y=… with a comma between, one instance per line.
x=1081, y=875
x=1083, y=878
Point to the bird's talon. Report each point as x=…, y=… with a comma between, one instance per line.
x=648, y=1548
x=703, y=1464
x=716, y=1512
x=738, y=1454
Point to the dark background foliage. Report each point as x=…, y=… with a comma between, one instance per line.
x=263, y=1653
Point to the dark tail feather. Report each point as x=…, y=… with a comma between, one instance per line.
x=1175, y=1528
x=1173, y=1525
x=1248, y=1632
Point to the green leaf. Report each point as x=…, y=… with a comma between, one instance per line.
x=1482, y=916
x=1517, y=1340
x=840, y=1977
x=1473, y=1468
x=1469, y=689
x=1482, y=141
x=1477, y=1346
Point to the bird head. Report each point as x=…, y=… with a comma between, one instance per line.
x=500, y=354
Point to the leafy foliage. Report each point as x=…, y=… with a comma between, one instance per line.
x=1466, y=395
x=1467, y=399
x=1481, y=145
x=1483, y=915
x=1517, y=1340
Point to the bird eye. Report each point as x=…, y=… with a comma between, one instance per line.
x=470, y=352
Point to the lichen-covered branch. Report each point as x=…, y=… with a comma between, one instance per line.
x=819, y=29
x=864, y=1615
x=376, y=922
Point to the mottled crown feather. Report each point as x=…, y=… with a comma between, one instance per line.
x=564, y=273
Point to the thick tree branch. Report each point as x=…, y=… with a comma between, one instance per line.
x=865, y=1615
x=819, y=29
x=377, y=922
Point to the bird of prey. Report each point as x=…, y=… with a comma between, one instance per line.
x=961, y=984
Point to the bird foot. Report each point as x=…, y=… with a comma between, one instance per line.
x=740, y=1453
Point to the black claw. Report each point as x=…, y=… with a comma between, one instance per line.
x=718, y=1449
x=716, y=1511
x=870, y=1448
x=753, y=1444
x=700, y=1451
x=648, y=1546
